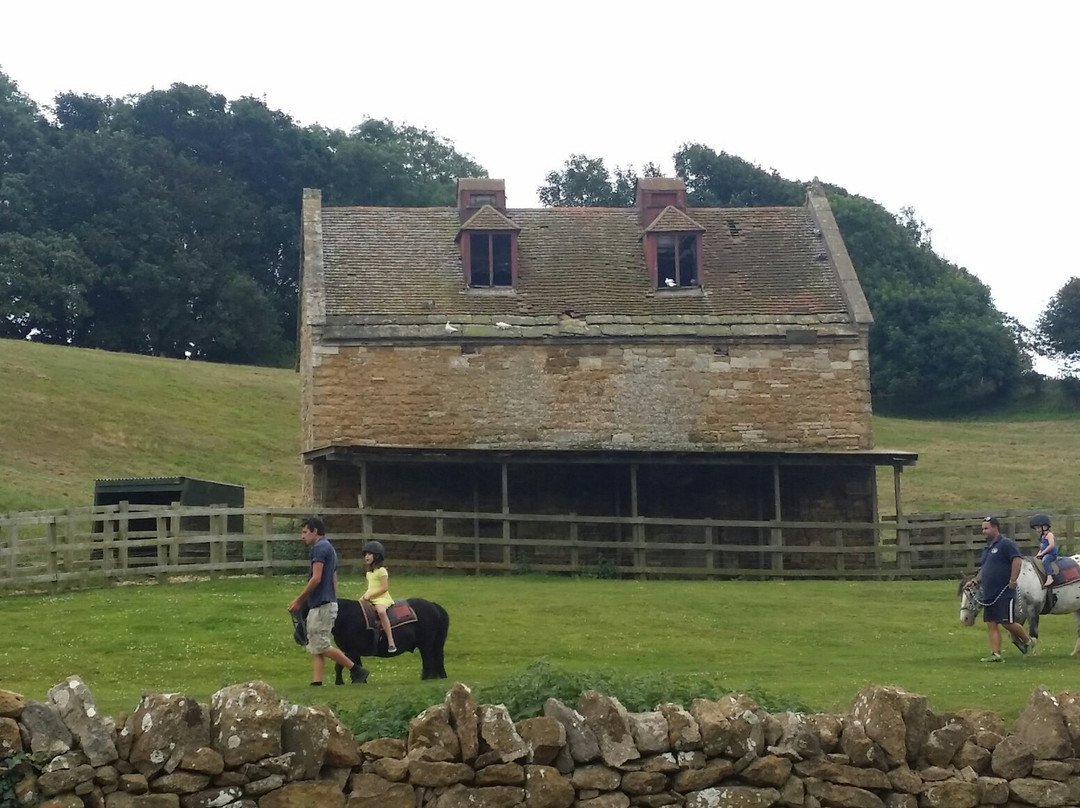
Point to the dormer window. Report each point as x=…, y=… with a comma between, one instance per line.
x=676, y=260
x=479, y=200
x=491, y=259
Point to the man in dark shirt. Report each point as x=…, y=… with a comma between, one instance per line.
x=999, y=570
x=321, y=596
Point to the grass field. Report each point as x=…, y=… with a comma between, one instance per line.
x=808, y=645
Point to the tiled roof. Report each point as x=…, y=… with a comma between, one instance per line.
x=670, y=220
x=487, y=218
x=405, y=262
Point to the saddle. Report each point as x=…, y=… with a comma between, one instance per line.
x=399, y=614
x=1065, y=571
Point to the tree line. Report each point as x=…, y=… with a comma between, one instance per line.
x=168, y=223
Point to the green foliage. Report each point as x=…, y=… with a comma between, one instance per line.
x=938, y=344
x=524, y=694
x=604, y=569
x=1058, y=329
x=14, y=769
x=168, y=223
x=587, y=182
x=726, y=181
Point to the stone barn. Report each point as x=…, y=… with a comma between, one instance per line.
x=620, y=377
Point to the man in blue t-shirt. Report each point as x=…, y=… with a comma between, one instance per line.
x=321, y=596
x=999, y=570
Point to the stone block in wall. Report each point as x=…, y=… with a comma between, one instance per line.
x=1012, y=758
x=798, y=738
x=736, y=797
x=974, y=756
x=613, y=799
x=431, y=737
x=57, y=782
x=78, y=710
x=596, y=777
x=439, y=774
x=47, y=731
x=203, y=760
x=770, y=770
x=943, y=743
x=1052, y=769
x=383, y=748
x=501, y=774
x=341, y=746
x=498, y=734
x=580, y=739
x=11, y=704
x=305, y=794
x=950, y=794
x=544, y=736
x=609, y=721
x=683, y=732
x=545, y=787
x=213, y=798
x=459, y=700
x=861, y=749
x=697, y=779
x=180, y=782
x=245, y=723
x=1042, y=726
x=10, y=737
x=898, y=721
x=304, y=733
x=162, y=730
x=1070, y=711
x=639, y=783
x=650, y=732
x=393, y=769
x=459, y=796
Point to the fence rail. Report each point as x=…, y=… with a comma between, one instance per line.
x=50, y=551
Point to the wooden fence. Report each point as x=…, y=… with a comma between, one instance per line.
x=50, y=551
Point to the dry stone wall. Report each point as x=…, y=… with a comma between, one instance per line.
x=249, y=748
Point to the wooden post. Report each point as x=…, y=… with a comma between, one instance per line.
x=507, y=559
x=637, y=535
x=13, y=551
x=575, y=558
x=217, y=546
x=840, y=561
x=267, y=547
x=108, y=544
x=174, y=536
x=440, y=557
x=903, y=533
x=365, y=503
x=710, y=553
x=776, y=534
x=69, y=541
x=124, y=535
x=162, y=537
x=50, y=553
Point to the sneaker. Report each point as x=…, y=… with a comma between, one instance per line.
x=316, y=684
x=993, y=658
x=391, y=649
x=1022, y=647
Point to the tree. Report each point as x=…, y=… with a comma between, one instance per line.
x=726, y=181
x=1058, y=328
x=938, y=344
x=586, y=182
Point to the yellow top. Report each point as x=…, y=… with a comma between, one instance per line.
x=376, y=580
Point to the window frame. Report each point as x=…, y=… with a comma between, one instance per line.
x=467, y=258
x=653, y=257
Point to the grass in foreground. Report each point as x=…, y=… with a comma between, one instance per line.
x=806, y=645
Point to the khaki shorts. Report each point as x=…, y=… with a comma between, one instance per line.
x=320, y=622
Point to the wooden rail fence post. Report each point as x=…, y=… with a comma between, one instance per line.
x=267, y=548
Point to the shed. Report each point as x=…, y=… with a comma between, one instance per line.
x=189, y=491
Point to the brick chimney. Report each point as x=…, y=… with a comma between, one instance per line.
x=653, y=194
x=474, y=193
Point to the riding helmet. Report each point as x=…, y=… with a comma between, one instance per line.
x=375, y=548
x=1040, y=519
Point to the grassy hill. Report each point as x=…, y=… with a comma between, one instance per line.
x=69, y=416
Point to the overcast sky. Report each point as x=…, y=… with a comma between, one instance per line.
x=963, y=110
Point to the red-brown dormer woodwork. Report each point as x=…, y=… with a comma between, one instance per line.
x=487, y=238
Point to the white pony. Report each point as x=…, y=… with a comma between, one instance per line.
x=1031, y=600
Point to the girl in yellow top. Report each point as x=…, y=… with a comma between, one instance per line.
x=378, y=588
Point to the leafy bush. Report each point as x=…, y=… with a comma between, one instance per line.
x=524, y=696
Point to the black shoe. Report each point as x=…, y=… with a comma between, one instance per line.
x=316, y=684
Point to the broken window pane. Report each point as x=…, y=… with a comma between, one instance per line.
x=479, y=259
x=501, y=274
x=688, y=260
x=666, y=270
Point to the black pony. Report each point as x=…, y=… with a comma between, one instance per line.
x=352, y=635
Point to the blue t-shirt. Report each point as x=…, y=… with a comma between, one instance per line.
x=323, y=551
x=996, y=565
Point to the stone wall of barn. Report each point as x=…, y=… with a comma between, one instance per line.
x=664, y=397
x=247, y=749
